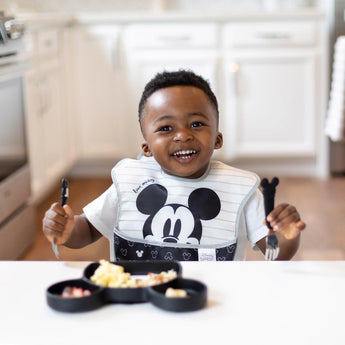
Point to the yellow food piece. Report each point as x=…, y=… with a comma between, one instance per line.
x=175, y=293
x=114, y=276
x=111, y=275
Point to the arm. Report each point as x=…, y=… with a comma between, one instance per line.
x=83, y=233
x=61, y=224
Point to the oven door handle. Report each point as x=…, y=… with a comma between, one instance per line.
x=3, y=33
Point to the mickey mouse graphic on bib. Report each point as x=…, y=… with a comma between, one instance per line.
x=176, y=223
x=173, y=224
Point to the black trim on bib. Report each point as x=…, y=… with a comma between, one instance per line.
x=130, y=250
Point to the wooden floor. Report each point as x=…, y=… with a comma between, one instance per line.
x=321, y=204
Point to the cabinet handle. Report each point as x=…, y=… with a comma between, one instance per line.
x=116, y=54
x=49, y=43
x=273, y=36
x=233, y=69
x=45, y=94
x=40, y=88
x=174, y=39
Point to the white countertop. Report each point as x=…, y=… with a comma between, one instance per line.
x=186, y=16
x=267, y=303
x=39, y=19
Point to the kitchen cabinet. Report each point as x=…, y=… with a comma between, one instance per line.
x=273, y=83
x=49, y=132
x=269, y=74
x=102, y=130
x=153, y=48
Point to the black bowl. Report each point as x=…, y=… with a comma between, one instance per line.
x=196, y=295
x=75, y=304
x=133, y=295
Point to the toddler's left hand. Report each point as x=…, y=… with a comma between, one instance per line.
x=286, y=220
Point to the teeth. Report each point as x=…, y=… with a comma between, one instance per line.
x=184, y=153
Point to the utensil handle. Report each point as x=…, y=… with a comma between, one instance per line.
x=64, y=192
x=64, y=198
x=269, y=191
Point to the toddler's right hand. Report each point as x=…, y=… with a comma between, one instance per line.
x=58, y=223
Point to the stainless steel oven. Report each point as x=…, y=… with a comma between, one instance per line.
x=17, y=221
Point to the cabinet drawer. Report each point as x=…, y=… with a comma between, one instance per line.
x=14, y=192
x=171, y=35
x=243, y=35
x=47, y=43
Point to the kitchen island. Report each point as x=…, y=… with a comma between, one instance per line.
x=299, y=302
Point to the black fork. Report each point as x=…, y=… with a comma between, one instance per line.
x=269, y=191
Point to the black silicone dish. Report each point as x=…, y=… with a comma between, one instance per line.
x=196, y=291
x=196, y=295
x=78, y=304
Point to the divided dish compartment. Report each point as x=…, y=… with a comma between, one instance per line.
x=136, y=268
x=196, y=295
x=100, y=295
x=75, y=304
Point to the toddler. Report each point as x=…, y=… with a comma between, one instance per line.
x=174, y=201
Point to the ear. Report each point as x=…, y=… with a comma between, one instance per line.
x=219, y=141
x=146, y=150
x=151, y=199
x=204, y=203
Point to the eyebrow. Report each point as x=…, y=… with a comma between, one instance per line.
x=168, y=117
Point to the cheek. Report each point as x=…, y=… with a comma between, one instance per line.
x=157, y=143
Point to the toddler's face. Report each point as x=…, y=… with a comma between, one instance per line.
x=180, y=129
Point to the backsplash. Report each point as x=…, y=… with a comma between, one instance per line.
x=158, y=5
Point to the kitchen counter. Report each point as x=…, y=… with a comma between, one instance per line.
x=195, y=16
x=41, y=19
x=267, y=303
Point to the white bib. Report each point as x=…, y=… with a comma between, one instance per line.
x=170, y=211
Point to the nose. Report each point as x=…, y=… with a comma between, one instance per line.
x=183, y=134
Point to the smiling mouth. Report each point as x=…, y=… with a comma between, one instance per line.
x=184, y=154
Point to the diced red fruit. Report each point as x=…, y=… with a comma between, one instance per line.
x=74, y=292
x=77, y=292
x=87, y=293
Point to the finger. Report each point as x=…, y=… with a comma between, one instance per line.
x=69, y=212
x=288, y=213
x=281, y=223
x=52, y=224
x=300, y=225
x=277, y=211
x=55, y=217
x=51, y=234
x=56, y=207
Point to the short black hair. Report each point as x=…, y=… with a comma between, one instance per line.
x=176, y=78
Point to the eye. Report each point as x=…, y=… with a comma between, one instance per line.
x=165, y=129
x=197, y=124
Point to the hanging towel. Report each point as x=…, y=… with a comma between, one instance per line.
x=335, y=121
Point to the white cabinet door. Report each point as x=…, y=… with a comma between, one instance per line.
x=152, y=48
x=48, y=117
x=33, y=123
x=100, y=101
x=45, y=126
x=144, y=65
x=270, y=104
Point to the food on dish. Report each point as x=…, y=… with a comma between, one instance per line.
x=175, y=293
x=74, y=292
x=114, y=276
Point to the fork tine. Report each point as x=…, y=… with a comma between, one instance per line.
x=267, y=255
x=276, y=253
